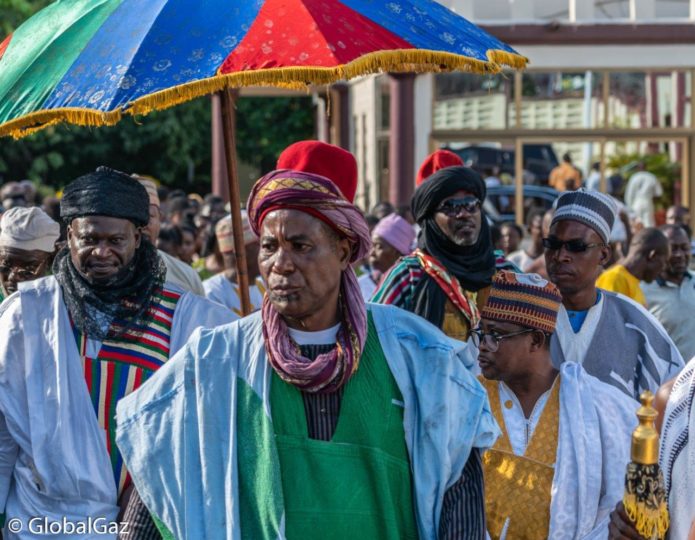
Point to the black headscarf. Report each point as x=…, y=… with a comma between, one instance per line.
x=126, y=297
x=106, y=192
x=473, y=265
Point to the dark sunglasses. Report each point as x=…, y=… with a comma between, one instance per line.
x=453, y=207
x=573, y=246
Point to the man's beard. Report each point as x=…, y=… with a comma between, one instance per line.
x=120, y=278
x=124, y=298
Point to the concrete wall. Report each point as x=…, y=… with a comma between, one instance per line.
x=609, y=56
x=424, y=96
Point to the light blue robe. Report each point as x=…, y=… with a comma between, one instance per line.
x=179, y=433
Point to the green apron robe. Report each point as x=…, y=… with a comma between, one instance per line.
x=359, y=484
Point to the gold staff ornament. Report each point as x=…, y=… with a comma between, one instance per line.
x=645, y=494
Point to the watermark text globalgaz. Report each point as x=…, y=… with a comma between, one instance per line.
x=91, y=526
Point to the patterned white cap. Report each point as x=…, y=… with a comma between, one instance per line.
x=29, y=229
x=225, y=232
x=592, y=208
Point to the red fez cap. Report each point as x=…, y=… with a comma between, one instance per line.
x=439, y=159
x=324, y=159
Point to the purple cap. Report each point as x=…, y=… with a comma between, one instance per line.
x=397, y=232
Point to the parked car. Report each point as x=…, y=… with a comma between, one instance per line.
x=539, y=160
x=499, y=203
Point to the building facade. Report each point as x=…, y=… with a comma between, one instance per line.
x=606, y=78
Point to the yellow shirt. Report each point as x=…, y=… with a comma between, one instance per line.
x=618, y=279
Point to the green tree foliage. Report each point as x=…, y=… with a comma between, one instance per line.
x=15, y=12
x=267, y=126
x=174, y=145
x=171, y=145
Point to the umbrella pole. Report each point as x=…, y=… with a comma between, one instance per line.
x=227, y=99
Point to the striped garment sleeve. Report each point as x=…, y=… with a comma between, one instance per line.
x=398, y=285
x=463, y=512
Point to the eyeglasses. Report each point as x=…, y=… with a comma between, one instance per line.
x=573, y=246
x=492, y=340
x=21, y=272
x=453, y=207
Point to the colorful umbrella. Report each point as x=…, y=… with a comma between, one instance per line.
x=88, y=62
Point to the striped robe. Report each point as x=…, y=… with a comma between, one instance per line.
x=122, y=364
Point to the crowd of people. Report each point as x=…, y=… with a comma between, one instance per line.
x=405, y=372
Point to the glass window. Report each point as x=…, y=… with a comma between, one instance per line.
x=383, y=164
x=673, y=99
x=627, y=106
x=672, y=9
x=650, y=99
x=564, y=100
x=384, y=104
x=611, y=9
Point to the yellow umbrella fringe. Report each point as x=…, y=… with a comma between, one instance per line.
x=36, y=121
x=505, y=58
x=299, y=78
x=296, y=78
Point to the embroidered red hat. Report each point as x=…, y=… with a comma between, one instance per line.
x=324, y=159
x=439, y=159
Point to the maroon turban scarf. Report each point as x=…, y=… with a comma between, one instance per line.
x=319, y=197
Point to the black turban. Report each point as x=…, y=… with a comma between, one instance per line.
x=472, y=265
x=106, y=192
x=442, y=184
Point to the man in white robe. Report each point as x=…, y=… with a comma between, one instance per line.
x=641, y=190
x=58, y=459
x=223, y=287
x=614, y=338
x=559, y=467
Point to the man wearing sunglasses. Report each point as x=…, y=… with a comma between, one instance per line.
x=447, y=278
x=614, y=338
x=558, y=468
